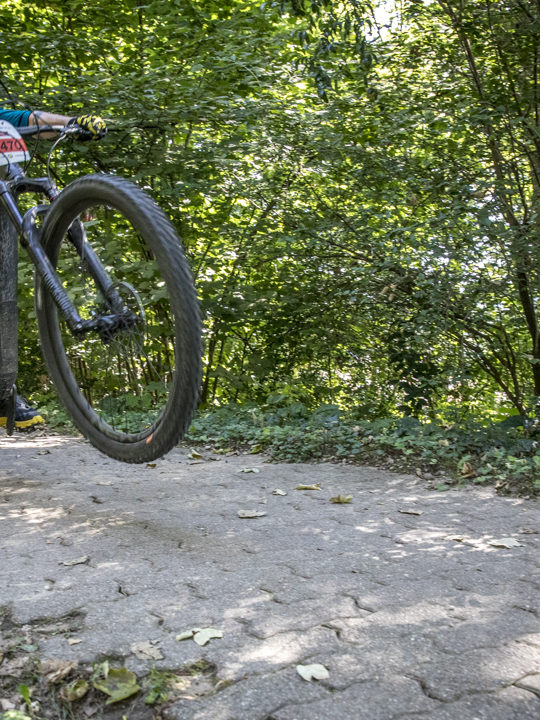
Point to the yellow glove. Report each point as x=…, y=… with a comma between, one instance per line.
x=90, y=127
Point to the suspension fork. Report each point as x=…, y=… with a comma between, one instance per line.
x=26, y=226
x=31, y=240
x=77, y=237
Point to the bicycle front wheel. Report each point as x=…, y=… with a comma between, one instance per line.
x=131, y=389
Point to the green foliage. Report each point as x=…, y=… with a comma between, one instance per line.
x=505, y=454
x=358, y=192
x=55, y=414
x=24, y=691
x=157, y=686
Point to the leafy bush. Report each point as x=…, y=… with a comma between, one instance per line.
x=505, y=454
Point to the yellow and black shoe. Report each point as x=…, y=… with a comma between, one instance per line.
x=25, y=416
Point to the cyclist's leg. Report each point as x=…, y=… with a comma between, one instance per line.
x=26, y=417
x=8, y=302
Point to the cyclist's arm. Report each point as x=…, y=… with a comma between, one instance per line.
x=24, y=118
x=39, y=117
x=90, y=126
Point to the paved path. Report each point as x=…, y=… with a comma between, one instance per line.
x=401, y=594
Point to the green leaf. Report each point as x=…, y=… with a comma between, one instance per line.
x=24, y=691
x=74, y=690
x=119, y=684
x=341, y=499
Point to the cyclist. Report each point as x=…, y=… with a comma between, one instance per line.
x=90, y=126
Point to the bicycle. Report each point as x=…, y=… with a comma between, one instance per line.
x=118, y=318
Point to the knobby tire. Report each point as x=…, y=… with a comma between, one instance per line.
x=160, y=242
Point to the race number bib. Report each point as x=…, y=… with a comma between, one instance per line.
x=12, y=147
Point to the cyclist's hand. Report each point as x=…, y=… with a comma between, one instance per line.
x=89, y=127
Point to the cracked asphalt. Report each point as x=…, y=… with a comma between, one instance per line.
x=421, y=604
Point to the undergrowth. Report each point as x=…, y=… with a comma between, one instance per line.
x=505, y=454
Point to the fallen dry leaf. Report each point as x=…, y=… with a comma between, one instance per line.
x=187, y=634
x=77, y=561
x=312, y=672
x=467, y=470
x=146, y=650
x=56, y=670
x=200, y=635
x=277, y=491
x=250, y=513
x=316, y=486
x=410, y=511
x=505, y=543
x=250, y=470
x=90, y=710
x=203, y=636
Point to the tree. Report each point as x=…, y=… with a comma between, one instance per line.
x=357, y=191
x=454, y=97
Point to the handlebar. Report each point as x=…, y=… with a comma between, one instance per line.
x=39, y=129
x=85, y=127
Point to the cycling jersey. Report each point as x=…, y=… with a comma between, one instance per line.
x=19, y=118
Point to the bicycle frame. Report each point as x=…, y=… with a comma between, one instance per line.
x=26, y=227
